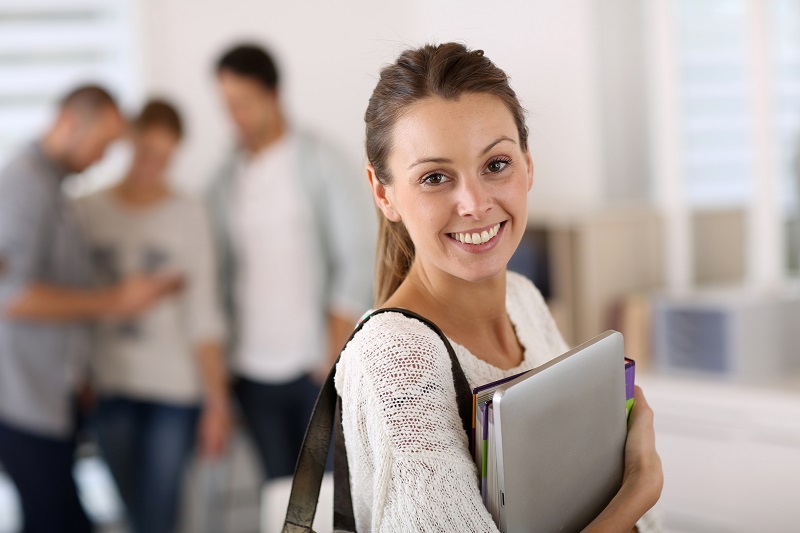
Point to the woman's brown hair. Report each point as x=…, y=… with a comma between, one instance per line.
x=446, y=71
x=160, y=113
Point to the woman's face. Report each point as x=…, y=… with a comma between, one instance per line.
x=152, y=150
x=460, y=184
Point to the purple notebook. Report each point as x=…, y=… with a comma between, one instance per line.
x=630, y=374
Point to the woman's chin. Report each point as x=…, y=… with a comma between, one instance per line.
x=479, y=274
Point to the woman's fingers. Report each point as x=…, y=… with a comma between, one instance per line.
x=641, y=458
x=641, y=413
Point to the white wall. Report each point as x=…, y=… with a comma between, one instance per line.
x=548, y=50
x=330, y=54
x=326, y=53
x=623, y=100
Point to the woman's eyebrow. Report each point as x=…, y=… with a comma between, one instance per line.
x=495, y=143
x=445, y=160
x=429, y=160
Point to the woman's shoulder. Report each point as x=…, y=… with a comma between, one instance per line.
x=96, y=206
x=531, y=314
x=522, y=292
x=184, y=201
x=516, y=280
x=394, y=331
x=188, y=208
x=389, y=341
x=94, y=199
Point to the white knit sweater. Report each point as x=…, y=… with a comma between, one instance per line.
x=410, y=466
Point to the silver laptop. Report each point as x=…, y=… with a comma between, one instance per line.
x=560, y=435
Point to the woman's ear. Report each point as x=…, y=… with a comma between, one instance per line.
x=381, y=194
x=529, y=160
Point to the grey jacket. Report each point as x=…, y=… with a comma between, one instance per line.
x=344, y=232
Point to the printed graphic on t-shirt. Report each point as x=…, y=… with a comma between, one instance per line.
x=108, y=272
x=106, y=265
x=151, y=259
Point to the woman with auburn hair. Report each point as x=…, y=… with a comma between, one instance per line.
x=450, y=171
x=160, y=379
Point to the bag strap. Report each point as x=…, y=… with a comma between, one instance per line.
x=326, y=421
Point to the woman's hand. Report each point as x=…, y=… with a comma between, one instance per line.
x=642, y=463
x=643, y=478
x=215, y=420
x=214, y=429
x=139, y=292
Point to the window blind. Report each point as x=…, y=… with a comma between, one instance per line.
x=48, y=47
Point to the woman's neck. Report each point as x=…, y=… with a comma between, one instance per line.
x=140, y=195
x=473, y=314
x=483, y=301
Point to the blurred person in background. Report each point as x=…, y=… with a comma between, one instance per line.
x=794, y=247
x=47, y=301
x=160, y=379
x=296, y=237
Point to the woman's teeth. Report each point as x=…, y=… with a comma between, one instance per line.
x=477, y=238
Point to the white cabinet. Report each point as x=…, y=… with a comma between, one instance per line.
x=731, y=455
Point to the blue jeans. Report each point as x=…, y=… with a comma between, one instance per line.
x=147, y=446
x=276, y=415
x=41, y=469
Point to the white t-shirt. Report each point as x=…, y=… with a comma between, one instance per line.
x=272, y=232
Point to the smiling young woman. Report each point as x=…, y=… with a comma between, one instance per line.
x=450, y=172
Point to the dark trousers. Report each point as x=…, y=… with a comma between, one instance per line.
x=41, y=469
x=147, y=446
x=276, y=415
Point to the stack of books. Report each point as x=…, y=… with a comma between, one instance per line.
x=484, y=436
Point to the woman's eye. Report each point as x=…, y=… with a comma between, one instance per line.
x=434, y=179
x=497, y=165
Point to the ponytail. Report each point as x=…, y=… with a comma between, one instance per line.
x=394, y=258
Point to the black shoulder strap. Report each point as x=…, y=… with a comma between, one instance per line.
x=325, y=421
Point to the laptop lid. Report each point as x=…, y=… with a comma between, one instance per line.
x=560, y=433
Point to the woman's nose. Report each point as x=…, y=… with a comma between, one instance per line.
x=474, y=199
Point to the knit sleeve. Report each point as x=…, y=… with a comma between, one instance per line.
x=409, y=463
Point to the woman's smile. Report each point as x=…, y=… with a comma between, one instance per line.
x=478, y=240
